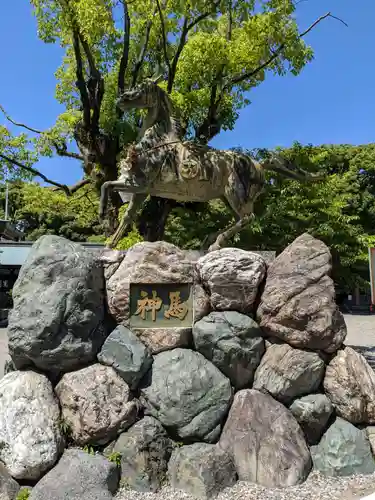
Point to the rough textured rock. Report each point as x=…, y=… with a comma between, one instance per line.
x=287, y=373
x=188, y=394
x=78, y=476
x=130, y=358
x=343, y=450
x=30, y=436
x=232, y=277
x=312, y=412
x=9, y=367
x=201, y=470
x=233, y=342
x=61, y=328
x=111, y=260
x=202, y=303
x=9, y=488
x=265, y=441
x=298, y=302
x=370, y=433
x=95, y=403
x=164, y=339
x=145, y=451
x=349, y=382
x=147, y=262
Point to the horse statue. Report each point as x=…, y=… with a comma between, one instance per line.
x=162, y=164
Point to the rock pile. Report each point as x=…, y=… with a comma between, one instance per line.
x=260, y=388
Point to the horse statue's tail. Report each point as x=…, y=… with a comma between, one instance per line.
x=284, y=167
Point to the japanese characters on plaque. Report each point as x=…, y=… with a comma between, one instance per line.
x=164, y=305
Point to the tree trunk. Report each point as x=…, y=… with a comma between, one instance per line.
x=153, y=218
x=101, y=149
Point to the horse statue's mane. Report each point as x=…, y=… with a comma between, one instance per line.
x=165, y=113
x=172, y=112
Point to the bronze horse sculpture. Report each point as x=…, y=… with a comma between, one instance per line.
x=162, y=164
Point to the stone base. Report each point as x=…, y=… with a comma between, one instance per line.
x=257, y=386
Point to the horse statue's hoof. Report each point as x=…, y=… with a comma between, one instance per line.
x=213, y=248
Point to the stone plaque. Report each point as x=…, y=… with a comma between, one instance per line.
x=163, y=305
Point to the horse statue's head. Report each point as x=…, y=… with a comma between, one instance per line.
x=144, y=95
x=148, y=95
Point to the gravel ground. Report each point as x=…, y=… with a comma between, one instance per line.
x=317, y=487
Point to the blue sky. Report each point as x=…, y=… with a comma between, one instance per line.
x=331, y=101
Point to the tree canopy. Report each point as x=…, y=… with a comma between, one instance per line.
x=209, y=53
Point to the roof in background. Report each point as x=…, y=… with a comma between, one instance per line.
x=14, y=253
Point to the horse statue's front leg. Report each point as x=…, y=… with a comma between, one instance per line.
x=127, y=185
x=127, y=219
x=136, y=200
x=104, y=195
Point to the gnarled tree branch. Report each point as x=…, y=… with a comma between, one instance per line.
x=73, y=189
x=142, y=54
x=18, y=124
x=125, y=50
x=204, y=15
x=92, y=91
x=211, y=125
x=164, y=36
x=186, y=28
x=61, y=150
x=35, y=172
x=278, y=51
x=80, y=83
x=95, y=85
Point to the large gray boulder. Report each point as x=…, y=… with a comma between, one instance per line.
x=233, y=342
x=30, y=437
x=201, y=470
x=232, y=277
x=343, y=450
x=78, y=476
x=265, y=441
x=349, y=382
x=287, y=373
x=298, y=302
x=312, y=412
x=145, y=450
x=57, y=320
x=96, y=404
x=188, y=394
x=129, y=357
x=9, y=488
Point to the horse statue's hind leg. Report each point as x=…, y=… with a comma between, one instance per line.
x=245, y=183
x=243, y=210
x=226, y=235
